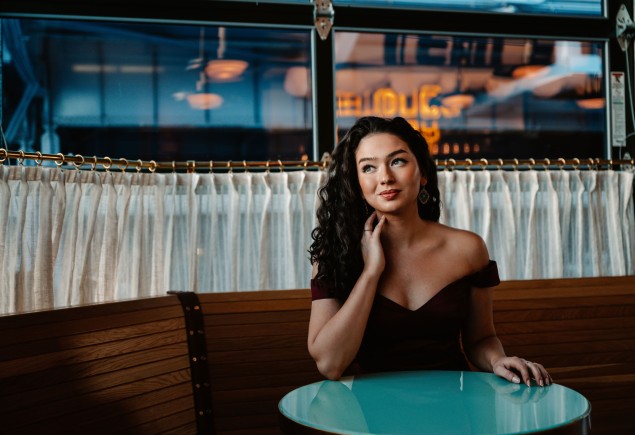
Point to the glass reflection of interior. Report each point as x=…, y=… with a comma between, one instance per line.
x=156, y=91
x=544, y=7
x=406, y=402
x=477, y=97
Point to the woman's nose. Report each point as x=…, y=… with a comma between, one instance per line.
x=386, y=176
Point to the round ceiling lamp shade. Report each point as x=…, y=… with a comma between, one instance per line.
x=458, y=101
x=296, y=81
x=204, y=101
x=225, y=70
x=591, y=103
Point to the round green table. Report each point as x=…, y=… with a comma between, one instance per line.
x=433, y=402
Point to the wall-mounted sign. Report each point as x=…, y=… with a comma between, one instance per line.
x=618, y=109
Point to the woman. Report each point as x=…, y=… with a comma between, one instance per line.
x=392, y=288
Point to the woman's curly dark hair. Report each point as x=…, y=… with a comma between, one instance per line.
x=343, y=210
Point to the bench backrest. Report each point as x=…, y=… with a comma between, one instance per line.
x=112, y=368
x=126, y=366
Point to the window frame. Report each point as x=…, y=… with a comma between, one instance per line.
x=347, y=18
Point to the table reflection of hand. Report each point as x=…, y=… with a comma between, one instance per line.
x=515, y=393
x=335, y=405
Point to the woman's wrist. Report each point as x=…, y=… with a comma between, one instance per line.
x=370, y=274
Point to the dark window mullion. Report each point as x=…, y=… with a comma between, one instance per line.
x=323, y=79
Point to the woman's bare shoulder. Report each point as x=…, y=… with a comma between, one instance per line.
x=466, y=245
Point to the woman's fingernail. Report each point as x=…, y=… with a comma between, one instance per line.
x=528, y=383
x=516, y=380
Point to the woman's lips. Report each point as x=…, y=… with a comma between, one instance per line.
x=389, y=194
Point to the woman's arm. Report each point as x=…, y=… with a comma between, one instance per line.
x=336, y=330
x=482, y=346
x=485, y=351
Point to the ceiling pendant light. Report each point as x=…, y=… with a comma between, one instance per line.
x=204, y=100
x=201, y=99
x=221, y=69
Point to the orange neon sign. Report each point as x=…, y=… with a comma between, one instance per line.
x=416, y=107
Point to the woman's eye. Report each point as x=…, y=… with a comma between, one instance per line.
x=398, y=162
x=367, y=168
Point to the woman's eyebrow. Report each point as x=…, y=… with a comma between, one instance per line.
x=365, y=159
x=390, y=155
x=394, y=153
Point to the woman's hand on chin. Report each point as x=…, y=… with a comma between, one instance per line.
x=372, y=250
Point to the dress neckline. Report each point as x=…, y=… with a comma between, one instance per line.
x=426, y=303
x=472, y=276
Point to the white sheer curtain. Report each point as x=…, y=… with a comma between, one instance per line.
x=546, y=224
x=71, y=237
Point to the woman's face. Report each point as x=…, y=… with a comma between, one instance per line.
x=388, y=173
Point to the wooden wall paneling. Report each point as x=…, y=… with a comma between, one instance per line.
x=583, y=331
x=124, y=367
x=257, y=353
x=121, y=366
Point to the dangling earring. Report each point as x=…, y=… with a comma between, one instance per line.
x=423, y=196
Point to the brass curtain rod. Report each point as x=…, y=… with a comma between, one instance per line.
x=124, y=164
x=574, y=163
x=191, y=166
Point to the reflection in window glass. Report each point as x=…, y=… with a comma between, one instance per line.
x=156, y=91
x=477, y=97
x=549, y=7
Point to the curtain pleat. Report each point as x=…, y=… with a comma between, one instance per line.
x=42, y=250
x=501, y=237
x=627, y=220
x=70, y=237
x=106, y=242
x=22, y=261
x=548, y=239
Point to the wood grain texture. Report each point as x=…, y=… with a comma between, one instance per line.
x=112, y=368
x=123, y=367
x=583, y=330
x=257, y=350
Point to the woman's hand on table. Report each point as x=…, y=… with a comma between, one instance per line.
x=516, y=369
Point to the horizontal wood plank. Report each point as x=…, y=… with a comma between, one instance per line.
x=106, y=368
x=126, y=364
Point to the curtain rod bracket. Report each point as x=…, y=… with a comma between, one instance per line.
x=324, y=15
x=624, y=28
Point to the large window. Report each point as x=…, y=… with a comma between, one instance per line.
x=480, y=78
x=547, y=7
x=478, y=97
x=155, y=91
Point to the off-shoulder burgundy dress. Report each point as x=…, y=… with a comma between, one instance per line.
x=428, y=338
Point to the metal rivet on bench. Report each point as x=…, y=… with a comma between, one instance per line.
x=194, y=359
x=191, y=332
x=196, y=307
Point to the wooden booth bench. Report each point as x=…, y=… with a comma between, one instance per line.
x=219, y=363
